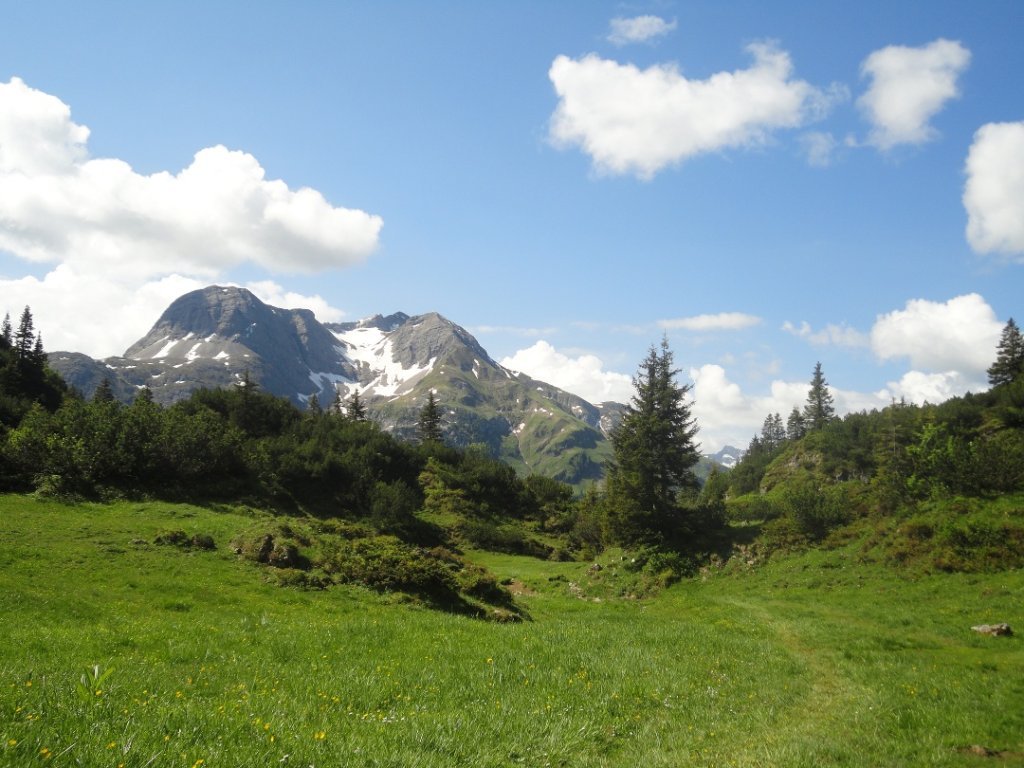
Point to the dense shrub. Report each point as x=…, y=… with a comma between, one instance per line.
x=753, y=507
x=508, y=537
x=814, y=511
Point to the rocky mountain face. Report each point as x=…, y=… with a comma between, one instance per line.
x=727, y=457
x=215, y=336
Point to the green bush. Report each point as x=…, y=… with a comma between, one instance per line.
x=386, y=563
x=508, y=538
x=815, y=511
x=751, y=507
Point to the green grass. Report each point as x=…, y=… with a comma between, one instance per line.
x=816, y=659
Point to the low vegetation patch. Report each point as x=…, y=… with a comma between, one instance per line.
x=502, y=537
x=319, y=553
x=956, y=535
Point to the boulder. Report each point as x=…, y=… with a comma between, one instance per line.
x=996, y=630
x=284, y=556
x=203, y=541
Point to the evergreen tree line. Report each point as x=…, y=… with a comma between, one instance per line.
x=24, y=376
x=244, y=444
x=970, y=445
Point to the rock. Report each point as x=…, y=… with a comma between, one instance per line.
x=203, y=541
x=595, y=568
x=996, y=630
x=183, y=540
x=980, y=751
x=284, y=556
x=503, y=616
x=172, y=538
x=265, y=548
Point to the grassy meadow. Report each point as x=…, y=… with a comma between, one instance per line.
x=117, y=651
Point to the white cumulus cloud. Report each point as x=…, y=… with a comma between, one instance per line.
x=100, y=315
x=638, y=29
x=641, y=121
x=919, y=387
x=840, y=335
x=994, y=191
x=583, y=376
x=728, y=416
x=938, y=337
x=722, y=321
x=276, y=295
x=908, y=87
x=91, y=312
x=124, y=244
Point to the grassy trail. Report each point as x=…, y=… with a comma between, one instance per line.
x=895, y=676
x=824, y=709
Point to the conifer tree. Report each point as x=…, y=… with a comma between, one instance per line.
x=1009, y=362
x=338, y=406
x=654, y=452
x=313, y=405
x=246, y=385
x=25, y=338
x=819, y=409
x=6, y=332
x=104, y=392
x=772, y=432
x=428, y=427
x=38, y=354
x=795, y=428
x=355, y=410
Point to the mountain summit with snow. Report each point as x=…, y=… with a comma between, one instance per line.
x=215, y=336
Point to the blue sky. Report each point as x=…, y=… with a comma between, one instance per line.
x=769, y=184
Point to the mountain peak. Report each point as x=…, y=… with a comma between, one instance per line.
x=223, y=311
x=215, y=336
x=380, y=322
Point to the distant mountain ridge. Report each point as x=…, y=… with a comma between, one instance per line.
x=728, y=456
x=215, y=336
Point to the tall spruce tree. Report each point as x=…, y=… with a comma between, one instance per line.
x=355, y=410
x=313, y=406
x=1009, y=362
x=428, y=427
x=6, y=333
x=338, y=405
x=654, y=453
x=25, y=337
x=38, y=353
x=795, y=428
x=104, y=392
x=773, y=433
x=819, y=409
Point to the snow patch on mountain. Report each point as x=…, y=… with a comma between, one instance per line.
x=727, y=457
x=166, y=349
x=370, y=347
